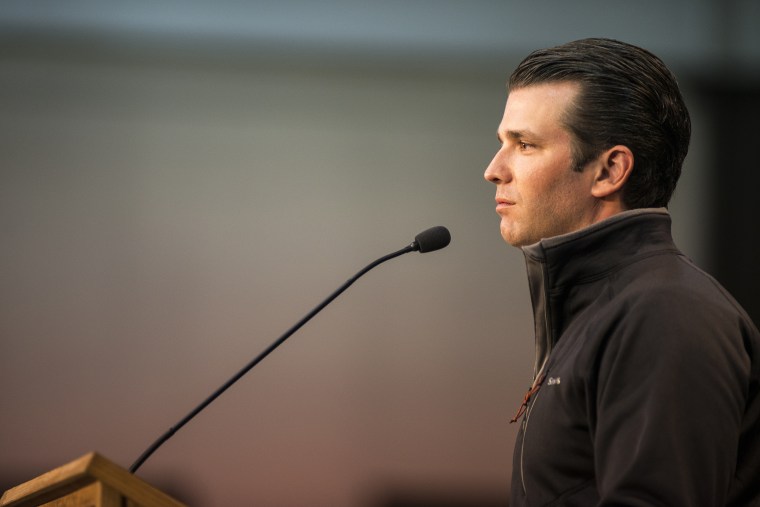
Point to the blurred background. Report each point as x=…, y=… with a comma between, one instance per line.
x=182, y=181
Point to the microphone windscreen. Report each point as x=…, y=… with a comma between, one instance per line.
x=432, y=239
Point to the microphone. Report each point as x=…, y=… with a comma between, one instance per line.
x=432, y=239
x=428, y=240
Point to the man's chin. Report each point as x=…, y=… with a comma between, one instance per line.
x=511, y=238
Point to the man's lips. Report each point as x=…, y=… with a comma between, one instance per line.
x=503, y=203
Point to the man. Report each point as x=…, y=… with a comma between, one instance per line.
x=647, y=374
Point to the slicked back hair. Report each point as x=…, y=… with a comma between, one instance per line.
x=627, y=97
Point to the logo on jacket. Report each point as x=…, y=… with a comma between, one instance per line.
x=552, y=381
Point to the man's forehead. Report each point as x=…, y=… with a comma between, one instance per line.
x=537, y=112
x=556, y=90
x=551, y=83
x=550, y=100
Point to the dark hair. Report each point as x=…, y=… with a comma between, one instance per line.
x=629, y=97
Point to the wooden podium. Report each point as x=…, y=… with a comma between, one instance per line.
x=90, y=481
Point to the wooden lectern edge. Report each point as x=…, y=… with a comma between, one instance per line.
x=72, y=476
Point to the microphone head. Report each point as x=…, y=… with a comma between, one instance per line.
x=432, y=239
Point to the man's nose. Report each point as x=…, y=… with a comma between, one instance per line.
x=497, y=171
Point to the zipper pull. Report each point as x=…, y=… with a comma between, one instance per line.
x=526, y=400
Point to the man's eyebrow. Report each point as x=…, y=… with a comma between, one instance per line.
x=515, y=134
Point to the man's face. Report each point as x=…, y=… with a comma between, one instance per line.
x=538, y=194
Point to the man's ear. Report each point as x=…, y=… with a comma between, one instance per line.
x=613, y=169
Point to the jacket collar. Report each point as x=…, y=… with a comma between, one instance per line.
x=598, y=248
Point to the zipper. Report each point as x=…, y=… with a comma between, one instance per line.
x=538, y=277
x=538, y=380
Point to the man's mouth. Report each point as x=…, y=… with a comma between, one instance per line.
x=502, y=203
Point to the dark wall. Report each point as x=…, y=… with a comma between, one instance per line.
x=734, y=110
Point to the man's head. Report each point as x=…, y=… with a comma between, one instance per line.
x=590, y=128
x=628, y=97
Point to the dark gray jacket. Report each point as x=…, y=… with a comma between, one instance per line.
x=649, y=390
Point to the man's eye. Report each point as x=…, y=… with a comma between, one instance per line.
x=524, y=145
